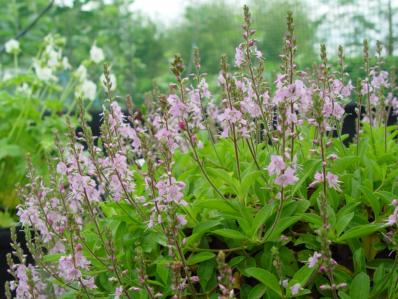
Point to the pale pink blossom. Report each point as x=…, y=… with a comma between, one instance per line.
x=118, y=292
x=286, y=178
x=277, y=165
x=295, y=289
x=181, y=220
x=239, y=55
x=331, y=179
x=313, y=260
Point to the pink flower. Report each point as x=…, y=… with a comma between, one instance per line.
x=249, y=106
x=181, y=220
x=277, y=165
x=393, y=218
x=170, y=191
x=195, y=278
x=221, y=78
x=337, y=86
x=346, y=90
x=204, y=87
x=295, y=289
x=69, y=266
x=281, y=94
x=239, y=55
x=258, y=53
x=313, y=260
x=287, y=178
x=331, y=179
x=280, y=79
x=67, y=270
x=374, y=99
x=332, y=108
x=231, y=115
x=62, y=168
x=177, y=107
x=365, y=87
x=380, y=80
x=23, y=286
x=118, y=292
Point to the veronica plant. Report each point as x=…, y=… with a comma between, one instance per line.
x=247, y=192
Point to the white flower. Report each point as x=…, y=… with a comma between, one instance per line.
x=81, y=73
x=90, y=5
x=54, y=57
x=112, y=78
x=24, y=89
x=285, y=283
x=65, y=63
x=64, y=3
x=12, y=46
x=44, y=73
x=96, y=54
x=8, y=74
x=87, y=90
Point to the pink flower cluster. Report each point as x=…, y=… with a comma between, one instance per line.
x=331, y=179
x=23, y=286
x=285, y=175
x=71, y=266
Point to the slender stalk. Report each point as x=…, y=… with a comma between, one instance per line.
x=324, y=216
x=359, y=110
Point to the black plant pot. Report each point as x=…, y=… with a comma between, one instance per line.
x=5, y=248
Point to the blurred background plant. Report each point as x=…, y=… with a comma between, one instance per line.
x=35, y=103
x=52, y=51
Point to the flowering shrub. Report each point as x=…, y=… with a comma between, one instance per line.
x=254, y=195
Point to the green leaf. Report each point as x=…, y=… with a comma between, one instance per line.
x=200, y=257
x=227, y=177
x=360, y=286
x=217, y=204
x=51, y=258
x=200, y=230
x=343, y=295
x=342, y=222
x=261, y=217
x=163, y=270
x=236, y=260
x=265, y=277
x=371, y=199
x=312, y=218
x=230, y=233
x=283, y=224
x=257, y=292
x=303, y=275
x=359, y=260
x=10, y=150
x=248, y=181
x=6, y=219
x=205, y=272
x=361, y=230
